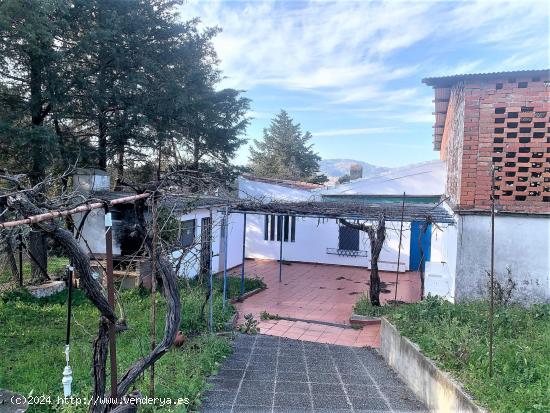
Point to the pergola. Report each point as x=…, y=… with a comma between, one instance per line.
x=397, y=212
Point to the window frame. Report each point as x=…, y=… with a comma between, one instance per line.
x=187, y=240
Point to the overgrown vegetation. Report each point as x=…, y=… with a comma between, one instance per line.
x=234, y=285
x=33, y=330
x=454, y=336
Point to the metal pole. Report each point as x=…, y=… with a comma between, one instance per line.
x=69, y=302
x=399, y=251
x=492, y=286
x=20, y=238
x=111, y=298
x=67, y=371
x=226, y=236
x=280, y=233
x=211, y=315
x=244, y=252
x=153, y=296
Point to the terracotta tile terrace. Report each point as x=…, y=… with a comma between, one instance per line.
x=320, y=298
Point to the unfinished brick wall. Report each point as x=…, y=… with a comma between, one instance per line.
x=506, y=123
x=452, y=142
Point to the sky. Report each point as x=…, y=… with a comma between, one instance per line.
x=350, y=72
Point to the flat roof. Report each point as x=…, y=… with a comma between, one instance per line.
x=443, y=81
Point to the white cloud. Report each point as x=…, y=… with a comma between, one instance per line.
x=347, y=49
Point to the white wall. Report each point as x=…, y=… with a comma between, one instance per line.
x=314, y=236
x=522, y=243
x=92, y=236
x=441, y=269
x=191, y=261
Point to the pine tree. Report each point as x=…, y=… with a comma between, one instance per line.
x=285, y=153
x=30, y=55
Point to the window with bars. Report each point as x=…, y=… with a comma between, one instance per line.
x=348, y=238
x=277, y=225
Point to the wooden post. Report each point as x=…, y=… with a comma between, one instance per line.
x=492, y=285
x=399, y=251
x=244, y=251
x=111, y=298
x=20, y=239
x=153, y=295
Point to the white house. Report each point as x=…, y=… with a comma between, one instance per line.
x=322, y=240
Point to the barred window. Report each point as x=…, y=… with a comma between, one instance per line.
x=276, y=226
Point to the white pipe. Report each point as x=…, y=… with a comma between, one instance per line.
x=67, y=375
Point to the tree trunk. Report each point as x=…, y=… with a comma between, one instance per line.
x=374, y=287
x=101, y=143
x=377, y=236
x=37, y=240
x=119, y=168
x=38, y=254
x=8, y=252
x=196, y=154
x=11, y=261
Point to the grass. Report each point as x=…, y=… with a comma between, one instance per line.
x=234, y=285
x=56, y=266
x=32, y=338
x=454, y=336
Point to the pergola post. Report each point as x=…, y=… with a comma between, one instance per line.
x=20, y=248
x=111, y=299
x=280, y=233
x=225, y=228
x=399, y=250
x=244, y=252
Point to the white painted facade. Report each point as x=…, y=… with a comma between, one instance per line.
x=190, y=264
x=315, y=236
x=522, y=245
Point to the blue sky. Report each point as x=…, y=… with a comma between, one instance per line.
x=350, y=71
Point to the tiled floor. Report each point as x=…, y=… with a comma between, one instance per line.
x=279, y=375
x=318, y=292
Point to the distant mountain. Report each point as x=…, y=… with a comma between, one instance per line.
x=334, y=168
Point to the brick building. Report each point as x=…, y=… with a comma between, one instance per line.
x=501, y=120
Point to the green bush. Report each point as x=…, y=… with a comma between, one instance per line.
x=455, y=336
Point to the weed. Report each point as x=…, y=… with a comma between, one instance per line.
x=250, y=325
x=454, y=336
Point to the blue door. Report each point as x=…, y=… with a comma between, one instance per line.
x=420, y=251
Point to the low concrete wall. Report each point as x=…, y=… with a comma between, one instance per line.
x=431, y=385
